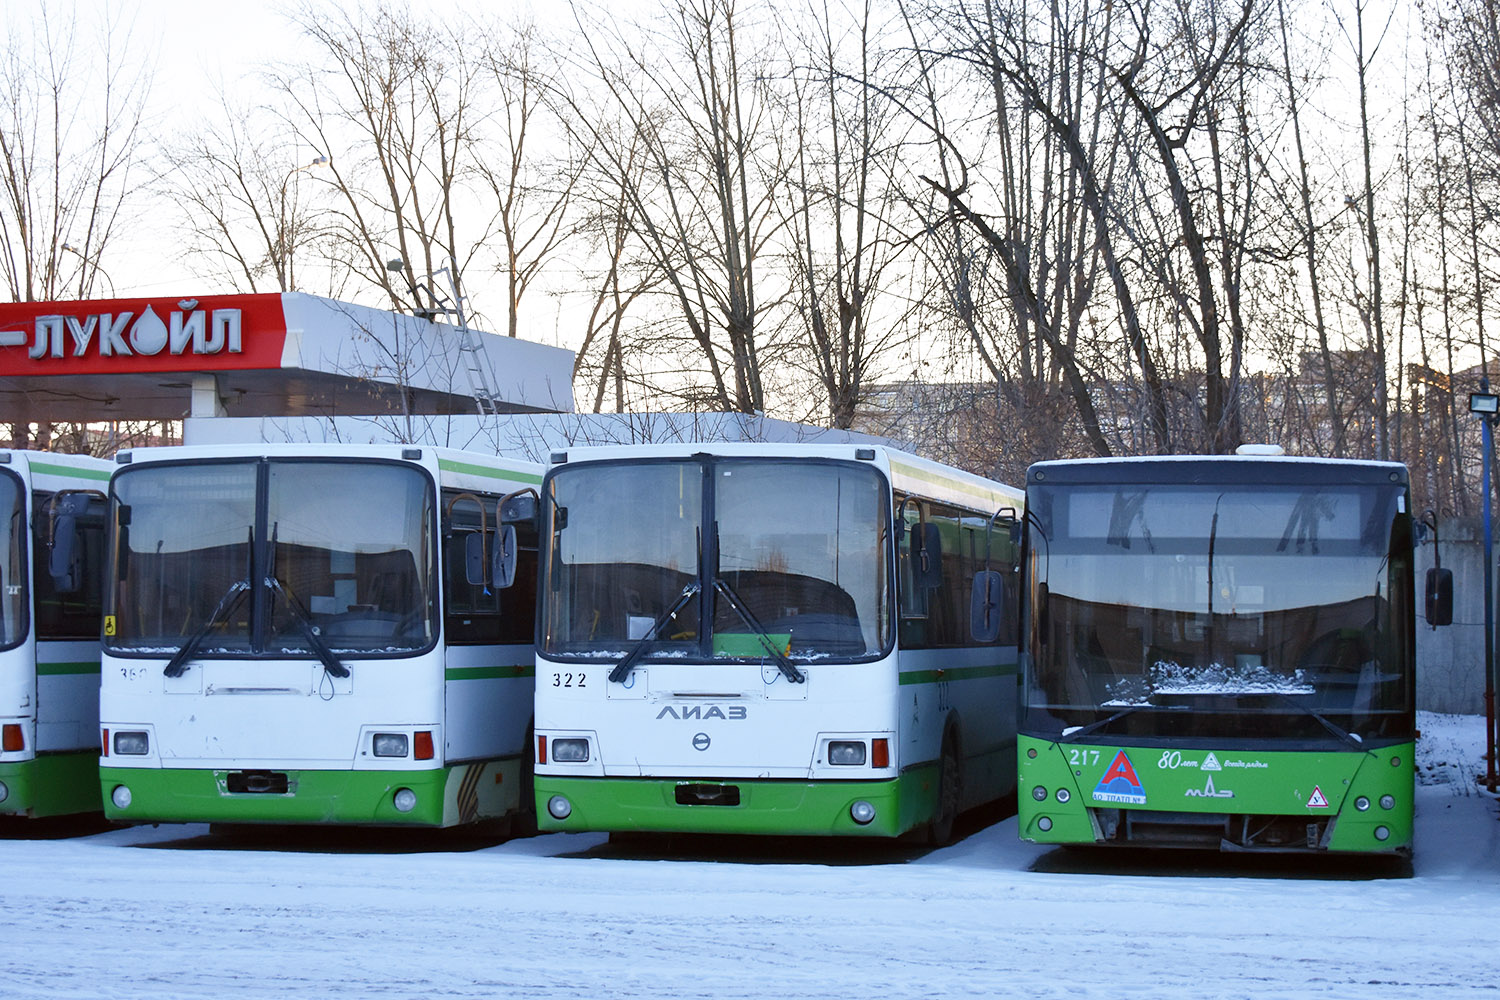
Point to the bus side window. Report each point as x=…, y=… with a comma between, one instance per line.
x=948, y=599
x=74, y=615
x=912, y=598
x=1004, y=559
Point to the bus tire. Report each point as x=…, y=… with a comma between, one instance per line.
x=950, y=787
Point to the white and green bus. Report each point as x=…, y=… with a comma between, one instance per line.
x=771, y=639
x=51, y=564
x=314, y=634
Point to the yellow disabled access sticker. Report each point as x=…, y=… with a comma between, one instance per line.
x=109, y=624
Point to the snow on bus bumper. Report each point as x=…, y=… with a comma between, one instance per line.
x=192, y=795
x=53, y=784
x=753, y=806
x=1355, y=801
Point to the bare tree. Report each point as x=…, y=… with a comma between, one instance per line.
x=1372, y=306
x=532, y=190
x=691, y=100
x=1310, y=231
x=70, y=137
x=247, y=204
x=621, y=282
x=842, y=208
x=395, y=103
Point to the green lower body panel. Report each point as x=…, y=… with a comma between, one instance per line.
x=443, y=796
x=1209, y=797
x=54, y=784
x=759, y=806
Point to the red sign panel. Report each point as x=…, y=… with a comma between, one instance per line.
x=104, y=336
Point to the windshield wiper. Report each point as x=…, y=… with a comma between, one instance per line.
x=1096, y=726
x=325, y=655
x=785, y=665
x=1343, y=734
x=627, y=662
x=227, y=605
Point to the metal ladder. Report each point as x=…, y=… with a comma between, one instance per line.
x=470, y=347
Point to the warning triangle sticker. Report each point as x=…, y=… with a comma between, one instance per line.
x=1317, y=800
x=1211, y=763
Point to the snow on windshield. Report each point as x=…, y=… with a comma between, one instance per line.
x=1168, y=677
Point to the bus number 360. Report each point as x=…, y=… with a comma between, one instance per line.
x=567, y=680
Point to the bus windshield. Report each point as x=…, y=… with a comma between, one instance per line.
x=13, y=582
x=1162, y=611
x=790, y=553
x=257, y=554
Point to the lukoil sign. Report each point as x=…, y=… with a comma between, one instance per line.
x=110, y=336
x=187, y=330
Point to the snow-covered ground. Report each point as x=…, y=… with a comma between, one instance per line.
x=171, y=912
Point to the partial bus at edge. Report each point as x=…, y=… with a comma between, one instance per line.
x=316, y=634
x=1218, y=653
x=51, y=564
x=772, y=639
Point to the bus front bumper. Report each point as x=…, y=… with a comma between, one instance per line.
x=191, y=795
x=1357, y=801
x=736, y=806
x=53, y=784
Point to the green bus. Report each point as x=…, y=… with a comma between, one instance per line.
x=1218, y=653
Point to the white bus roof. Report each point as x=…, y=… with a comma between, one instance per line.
x=475, y=466
x=54, y=470
x=907, y=472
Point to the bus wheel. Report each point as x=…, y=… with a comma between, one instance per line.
x=940, y=828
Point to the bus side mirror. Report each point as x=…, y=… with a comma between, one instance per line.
x=122, y=542
x=927, y=553
x=520, y=508
x=986, y=605
x=474, y=567
x=503, y=569
x=1439, y=596
x=64, y=553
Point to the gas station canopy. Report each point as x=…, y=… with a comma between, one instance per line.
x=280, y=354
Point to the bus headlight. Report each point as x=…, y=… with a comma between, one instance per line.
x=559, y=807
x=132, y=744
x=848, y=753
x=405, y=800
x=1361, y=803
x=120, y=797
x=390, y=744
x=862, y=812
x=1063, y=795
x=4, y=792
x=1388, y=802
x=1044, y=823
x=570, y=751
x=1382, y=833
x=1039, y=793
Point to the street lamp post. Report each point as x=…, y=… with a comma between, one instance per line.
x=282, y=254
x=1487, y=405
x=70, y=248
